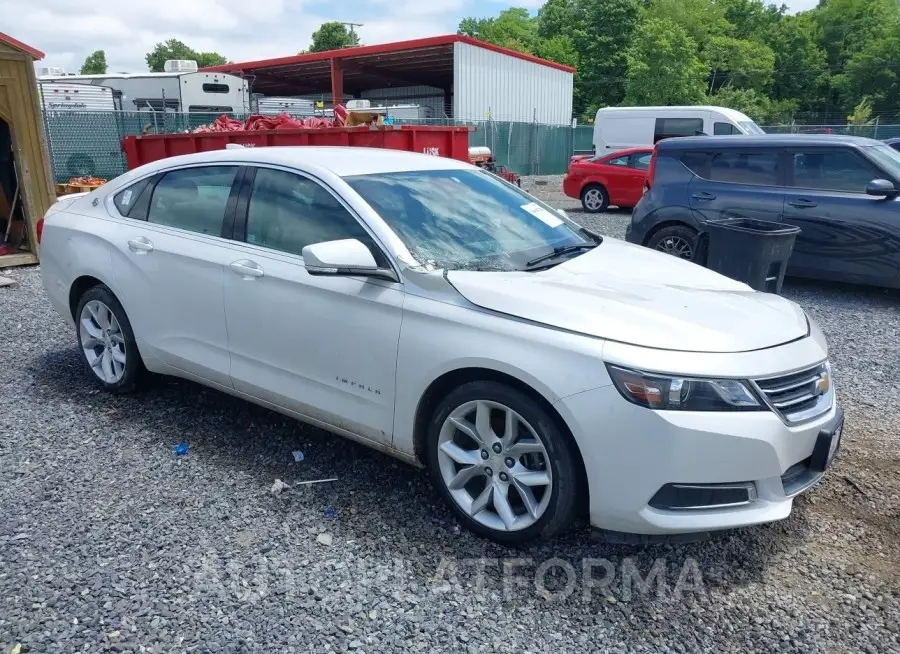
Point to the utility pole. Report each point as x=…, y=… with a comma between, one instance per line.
x=352, y=32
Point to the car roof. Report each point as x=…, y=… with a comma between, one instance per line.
x=342, y=161
x=763, y=140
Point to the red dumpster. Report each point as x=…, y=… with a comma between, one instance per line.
x=452, y=142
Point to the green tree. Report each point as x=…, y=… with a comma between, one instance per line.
x=175, y=49
x=862, y=112
x=94, y=63
x=848, y=26
x=663, y=66
x=700, y=19
x=559, y=49
x=514, y=28
x=751, y=19
x=801, y=67
x=739, y=62
x=332, y=36
x=602, y=31
x=757, y=105
x=873, y=74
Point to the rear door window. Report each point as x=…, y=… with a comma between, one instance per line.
x=835, y=170
x=671, y=127
x=193, y=199
x=758, y=168
x=618, y=161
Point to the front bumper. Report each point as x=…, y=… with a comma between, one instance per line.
x=630, y=453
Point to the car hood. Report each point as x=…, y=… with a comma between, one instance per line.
x=631, y=294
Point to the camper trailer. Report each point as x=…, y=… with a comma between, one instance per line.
x=66, y=96
x=180, y=89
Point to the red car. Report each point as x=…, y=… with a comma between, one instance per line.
x=611, y=179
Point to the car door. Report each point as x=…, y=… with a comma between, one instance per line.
x=845, y=234
x=736, y=183
x=321, y=346
x=638, y=164
x=615, y=174
x=170, y=261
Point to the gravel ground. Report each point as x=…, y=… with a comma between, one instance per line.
x=110, y=542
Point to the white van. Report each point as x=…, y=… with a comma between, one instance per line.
x=617, y=128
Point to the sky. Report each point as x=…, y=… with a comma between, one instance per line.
x=68, y=31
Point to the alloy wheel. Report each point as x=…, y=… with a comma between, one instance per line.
x=102, y=341
x=593, y=199
x=677, y=247
x=494, y=465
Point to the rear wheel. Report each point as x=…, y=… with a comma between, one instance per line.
x=594, y=198
x=678, y=240
x=107, y=341
x=502, y=464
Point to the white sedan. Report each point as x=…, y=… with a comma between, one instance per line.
x=426, y=308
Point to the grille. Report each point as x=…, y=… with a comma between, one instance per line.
x=800, y=395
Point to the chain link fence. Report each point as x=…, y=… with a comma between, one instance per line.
x=89, y=143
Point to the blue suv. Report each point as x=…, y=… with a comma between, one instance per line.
x=842, y=192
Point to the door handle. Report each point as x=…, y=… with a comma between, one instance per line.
x=802, y=203
x=703, y=195
x=247, y=269
x=140, y=245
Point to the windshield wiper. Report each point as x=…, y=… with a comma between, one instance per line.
x=560, y=251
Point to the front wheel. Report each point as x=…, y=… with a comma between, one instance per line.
x=678, y=240
x=106, y=340
x=502, y=464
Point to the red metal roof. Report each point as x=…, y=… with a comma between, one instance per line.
x=427, y=62
x=34, y=53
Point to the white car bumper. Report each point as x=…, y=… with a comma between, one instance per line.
x=632, y=453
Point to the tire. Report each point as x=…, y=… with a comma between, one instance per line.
x=678, y=240
x=548, y=463
x=594, y=198
x=100, y=316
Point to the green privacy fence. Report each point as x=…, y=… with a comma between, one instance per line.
x=89, y=143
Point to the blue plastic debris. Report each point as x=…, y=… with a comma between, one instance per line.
x=181, y=449
x=298, y=456
x=330, y=513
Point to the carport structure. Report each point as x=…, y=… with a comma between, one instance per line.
x=472, y=78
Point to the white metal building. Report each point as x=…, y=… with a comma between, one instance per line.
x=455, y=76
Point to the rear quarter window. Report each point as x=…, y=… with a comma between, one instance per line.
x=126, y=200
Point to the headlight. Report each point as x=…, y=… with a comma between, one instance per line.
x=665, y=393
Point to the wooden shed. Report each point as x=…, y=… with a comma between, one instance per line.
x=26, y=182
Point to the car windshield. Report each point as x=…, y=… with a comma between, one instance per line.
x=887, y=157
x=469, y=220
x=751, y=128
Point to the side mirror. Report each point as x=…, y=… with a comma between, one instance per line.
x=345, y=257
x=881, y=188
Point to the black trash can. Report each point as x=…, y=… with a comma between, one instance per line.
x=752, y=251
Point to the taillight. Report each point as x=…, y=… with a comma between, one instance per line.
x=651, y=171
x=40, y=229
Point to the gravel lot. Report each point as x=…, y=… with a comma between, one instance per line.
x=110, y=542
